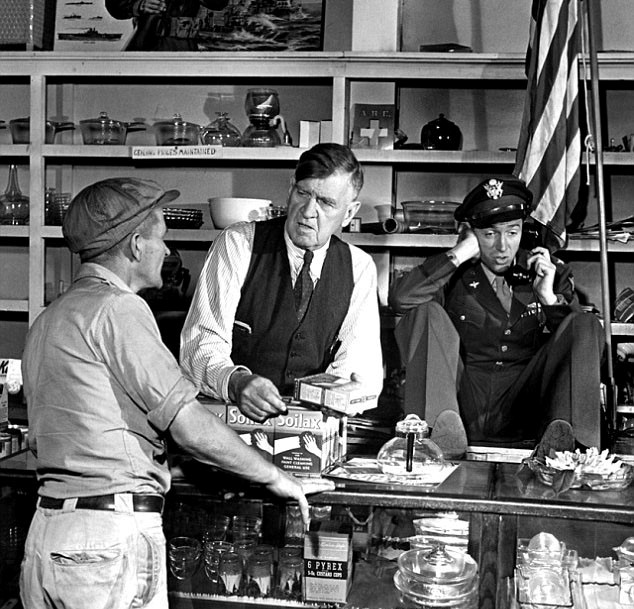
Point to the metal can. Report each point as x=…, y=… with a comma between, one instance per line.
x=355, y=225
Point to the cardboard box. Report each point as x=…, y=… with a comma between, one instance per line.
x=325, y=131
x=258, y=435
x=328, y=562
x=334, y=392
x=216, y=407
x=308, y=133
x=307, y=441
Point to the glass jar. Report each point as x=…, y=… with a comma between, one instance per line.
x=437, y=578
x=14, y=206
x=230, y=572
x=411, y=453
x=221, y=132
x=259, y=573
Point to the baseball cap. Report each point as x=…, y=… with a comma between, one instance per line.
x=105, y=212
x=495, y=200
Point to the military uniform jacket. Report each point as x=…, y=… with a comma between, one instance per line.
x=489, y=337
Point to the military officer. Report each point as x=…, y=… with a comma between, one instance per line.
x=494, y=340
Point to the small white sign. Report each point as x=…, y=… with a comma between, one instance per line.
x=170, y=152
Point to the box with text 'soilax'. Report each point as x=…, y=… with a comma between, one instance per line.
x=327, y=562
x=216, y=407
x=308, y=441
x=258, y=435
x=334, y=392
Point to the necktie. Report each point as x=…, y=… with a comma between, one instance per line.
x=503, y=292
x=303, y=289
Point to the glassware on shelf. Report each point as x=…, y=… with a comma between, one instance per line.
x=230, y=572
x=221, y=132
x=14, y=206
x=262, y=106
x=411, y=453
x=183, y=554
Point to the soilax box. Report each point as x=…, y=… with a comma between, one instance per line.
x=258, y=435
x=308, y=441
x=214, y=406
x=334, y=392
x=327, y=562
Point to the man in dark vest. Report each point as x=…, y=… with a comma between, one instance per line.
x=496, y=355
x=285, y=298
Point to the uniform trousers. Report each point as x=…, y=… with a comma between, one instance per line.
x=511, y=404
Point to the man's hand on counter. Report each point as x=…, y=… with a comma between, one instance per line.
x=256, y=396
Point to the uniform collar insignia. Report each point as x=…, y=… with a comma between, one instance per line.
x=474, y=284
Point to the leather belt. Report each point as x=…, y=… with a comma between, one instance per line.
x=141, y=503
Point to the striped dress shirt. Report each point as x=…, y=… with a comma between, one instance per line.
x=206, y=339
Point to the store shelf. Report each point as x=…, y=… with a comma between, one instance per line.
x=14, y=306
x=14, y=231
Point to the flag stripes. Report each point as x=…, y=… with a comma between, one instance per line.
x=549, y=149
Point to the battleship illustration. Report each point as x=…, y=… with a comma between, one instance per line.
x=89, y=34
x=72, y=16
x=262, y=25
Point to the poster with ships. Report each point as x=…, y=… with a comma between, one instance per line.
x=85, y=25
x=264, y=25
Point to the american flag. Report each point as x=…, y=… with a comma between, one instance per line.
x=549, y=148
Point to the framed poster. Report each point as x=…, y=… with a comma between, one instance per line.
x=85, y=25
x=264, y=25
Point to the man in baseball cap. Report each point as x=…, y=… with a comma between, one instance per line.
x=106, y=212
x=103, y=395
x=493, y=333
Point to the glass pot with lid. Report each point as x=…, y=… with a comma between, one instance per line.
x=21, y=130
x=176, y=132
x=411, y=453
x=437, y=577
x=104, y=130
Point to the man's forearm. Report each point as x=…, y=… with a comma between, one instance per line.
x=209, y=440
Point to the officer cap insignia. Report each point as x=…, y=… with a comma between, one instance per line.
x=494, y=188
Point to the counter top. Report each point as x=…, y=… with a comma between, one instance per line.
x=474, y=486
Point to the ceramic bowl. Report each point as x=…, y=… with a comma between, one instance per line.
x=229, y=210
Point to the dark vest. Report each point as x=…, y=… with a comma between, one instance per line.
x=267, y=337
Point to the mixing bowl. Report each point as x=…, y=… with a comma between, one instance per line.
x=229, y=210
x=431, y=216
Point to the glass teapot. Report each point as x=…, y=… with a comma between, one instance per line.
x=411, y=453
x=221, y=132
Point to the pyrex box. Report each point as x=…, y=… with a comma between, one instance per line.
x=308, y=441
x=327, y=562
x=334, y=392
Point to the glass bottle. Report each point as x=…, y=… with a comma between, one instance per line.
x=411, y=453
x=220, y=132
x=14, y=206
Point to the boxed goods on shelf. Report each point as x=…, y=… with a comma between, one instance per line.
x=328, y=562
